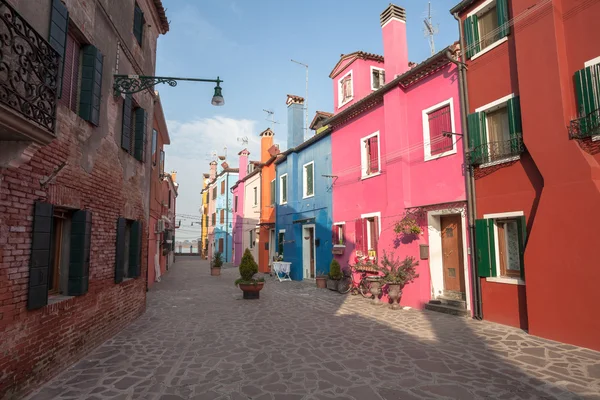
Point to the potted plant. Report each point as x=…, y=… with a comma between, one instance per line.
x=335, y=274
x=397, y=274
x=321, y=279
x=250, y=285
x=408, y=226
x=216, y=264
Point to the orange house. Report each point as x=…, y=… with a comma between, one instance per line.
x=268, y=154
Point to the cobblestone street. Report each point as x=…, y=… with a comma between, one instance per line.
x=199, y=340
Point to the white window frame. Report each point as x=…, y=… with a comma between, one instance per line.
x=502, y=279
x=369, y=215
x=287, y=184
x=427, y=139
x=483, y=7
x=372, y=82
x=589, y=63
x=305, y=180
x=363, y=156
x=337, y=225
x=255, y=204
x=341, y=101
x=493, y=106
x=273, y=194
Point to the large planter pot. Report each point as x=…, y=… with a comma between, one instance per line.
x=332, y=284
x=321, y=282
x=252, y=291
x=375, y=290
x=395, y=294
x=214, y=271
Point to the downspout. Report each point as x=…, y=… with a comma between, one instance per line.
x=227, y=216
x=469, y=178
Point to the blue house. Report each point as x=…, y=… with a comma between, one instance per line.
x=304, y=196
x=223, y=232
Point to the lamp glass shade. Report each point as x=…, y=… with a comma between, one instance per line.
x=217, y=99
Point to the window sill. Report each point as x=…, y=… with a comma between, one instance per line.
x=430, y=157
x=345, y=102
x=502, y=161
x=490, y=47
x=308, y=197
x=370, y=176
x=507, y=280
x=283, y=204
x=57, y=298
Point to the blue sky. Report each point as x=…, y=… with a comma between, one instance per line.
x=249, y=44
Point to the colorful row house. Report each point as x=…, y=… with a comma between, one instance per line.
x=534, y=153
x=205, y=217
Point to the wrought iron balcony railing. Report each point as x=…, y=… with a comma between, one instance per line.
x=586, y=126
x=492, y=152
x=29, y=70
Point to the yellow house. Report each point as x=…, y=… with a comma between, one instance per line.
x=203, y=246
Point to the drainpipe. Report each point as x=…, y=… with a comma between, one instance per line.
x=227, y=216
x=469, y=178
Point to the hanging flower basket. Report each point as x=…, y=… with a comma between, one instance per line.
x=408, y=226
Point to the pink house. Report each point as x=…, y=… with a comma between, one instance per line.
x=238, y=208
x=398, y=155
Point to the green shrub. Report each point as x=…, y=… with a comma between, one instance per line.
x=248, y=266
x=217, y=261
x=335, y=271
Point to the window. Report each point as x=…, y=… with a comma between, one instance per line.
x=339, y=238
x=345, y=92
x=223, y=187
x=235, y=203
x=154, y=145
x=133, y=137
x=272, y=193
x=161, y=169
x=214, y=193
x=437, y=120
x=169, y=199
x=500, y=242
x=377, y=78
x=370, y=155
x=70, y=80
x=486, y=27
x=283, y=189
x=367, y=234
x=495, y=134
x=251, y=234
x=222, y=216
x=129, y=249
x=255, y=195
x=587, y=90
x=280, y=242
x=308, y=180
x=138, y=24
x=214, y=219
x=221, y=240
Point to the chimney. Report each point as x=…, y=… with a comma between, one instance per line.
x=174, y=176
x=213, y=170
x=266, y=142
x=295, y=121
x=395, y=45
x=243, y=163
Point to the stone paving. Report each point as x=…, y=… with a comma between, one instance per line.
x=200, y=340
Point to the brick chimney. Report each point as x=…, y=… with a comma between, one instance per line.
x=395, y=45
x=243, y=160
x=295, y=120
x=174, y=176
x=266, y=142
x=213, y=170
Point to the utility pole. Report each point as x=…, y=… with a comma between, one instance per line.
x=305, y=100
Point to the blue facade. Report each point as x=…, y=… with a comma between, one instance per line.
x=301, y=213
x=224, y=201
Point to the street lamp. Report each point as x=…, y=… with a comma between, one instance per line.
x=129, y=84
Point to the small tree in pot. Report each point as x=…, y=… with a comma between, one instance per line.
x=335, y=274
x=216, y=264
x=250, y=285
x=397, y=273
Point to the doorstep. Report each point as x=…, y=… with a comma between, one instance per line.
x=448, y=305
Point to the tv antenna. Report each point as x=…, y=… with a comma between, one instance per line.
x=224, y=156
x=212, y=156
x=430, y=30
x=271, y=117
x=305, y=98
x=243, y=140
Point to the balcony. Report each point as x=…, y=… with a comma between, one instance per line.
x=586, y=126
x=29, y=73
x=493, y=153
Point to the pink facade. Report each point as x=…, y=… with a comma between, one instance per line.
x=391, y=161
x=238, y=208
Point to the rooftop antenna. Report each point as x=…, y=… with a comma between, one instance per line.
x=305, y=98
x=430, y=30
x=212, y=156
x=271, y=118
x=243, y=140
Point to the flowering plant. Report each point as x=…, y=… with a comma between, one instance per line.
x=408, y=226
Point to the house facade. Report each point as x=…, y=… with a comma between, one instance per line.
x=266, y=236
x=251, y=220
x=205, y=218
x=223, y=232
x=533, y=149
x=75, y=178
x=397, y=161
x=238, y=208
x=211, y=190
x=303, y=198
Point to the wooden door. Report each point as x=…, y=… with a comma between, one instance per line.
x=452, y=253
x=311, y=241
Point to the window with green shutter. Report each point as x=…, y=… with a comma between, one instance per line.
x=138, y=24
x=91, y=84
x=280, y=240
x=309, y=188
x=141, y=122
x=486, y=27
x=500, y=246
x=587, y=90
x=272, y=192
x=135, y=249
x=126, y=124
x=59, y=25
x=79, y=254
x=120, y=250
x=283, y=189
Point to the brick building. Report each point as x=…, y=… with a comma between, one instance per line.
x=74, y=179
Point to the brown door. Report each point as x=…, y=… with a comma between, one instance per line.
x=311, y=240
x=452, y=253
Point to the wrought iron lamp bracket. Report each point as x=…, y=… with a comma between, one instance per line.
x=130, y=84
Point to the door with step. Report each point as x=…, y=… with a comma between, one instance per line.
x=452, y=254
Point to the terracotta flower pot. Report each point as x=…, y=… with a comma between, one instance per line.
x=252, y=291
x=215, y=271
x=375, y=290
x=321, y=282
x=395, y=294
x=332, y=284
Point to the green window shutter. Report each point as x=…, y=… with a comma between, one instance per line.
x=468, y=37
x=514, y=124
x=79, y=255
x=135, y=249
x=522, y=229
x=503, y=19
x=138, y=24
x=485, y=248
x=475, y=142
x=310, y=189
x=41, y=252
x=141, y=121
x=272, y=192
x=120, y=250
x=471, y=33
x=59, y=26
x=126, y=132
x=587, y=89
x=91, y=84
x=280, y=244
